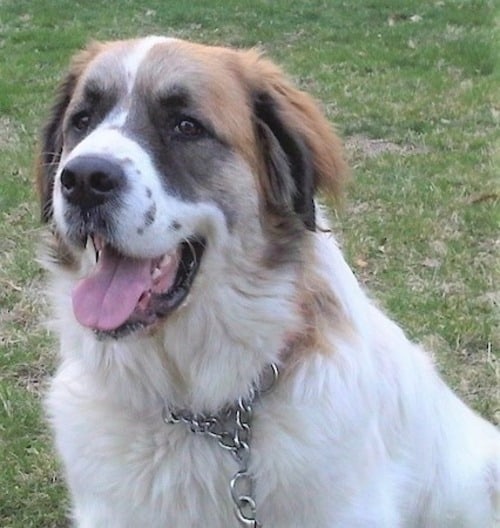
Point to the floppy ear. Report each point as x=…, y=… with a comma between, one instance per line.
x=302, y=153
x=51, y=140
x=50, y=147
x=289, y=182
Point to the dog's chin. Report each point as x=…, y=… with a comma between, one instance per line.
x=134, y=296
x=128, y=329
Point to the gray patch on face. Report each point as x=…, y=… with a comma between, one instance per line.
x=191, y=168
x=149, y=192
x=175, y=225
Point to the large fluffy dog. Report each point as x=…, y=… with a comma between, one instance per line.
x=188, y=261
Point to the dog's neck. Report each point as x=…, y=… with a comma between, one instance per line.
x=185, y=370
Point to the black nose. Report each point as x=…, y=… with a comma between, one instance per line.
x=89, y=181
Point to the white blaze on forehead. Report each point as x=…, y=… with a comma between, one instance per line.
x=131, y=61
x=136, y=55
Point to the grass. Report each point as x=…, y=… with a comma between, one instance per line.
x=413, y=89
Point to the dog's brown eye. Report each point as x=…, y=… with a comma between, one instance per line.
x=188, y=128
x=81, y=121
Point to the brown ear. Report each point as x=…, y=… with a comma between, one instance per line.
x=301, y=150
x=51, y=140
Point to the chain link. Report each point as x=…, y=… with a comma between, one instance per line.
x=232, y=430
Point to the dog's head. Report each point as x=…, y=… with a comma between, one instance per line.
x=160, y=155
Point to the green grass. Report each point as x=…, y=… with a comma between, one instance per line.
x=412, y=86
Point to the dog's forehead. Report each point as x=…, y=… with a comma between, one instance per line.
x=159, y=63
x=118, y=62
x=153, y=68
x=135, y=55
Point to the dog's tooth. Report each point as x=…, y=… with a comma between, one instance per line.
x=144, y=300
x=99, y=242
x=156, y=274
x=165, y=261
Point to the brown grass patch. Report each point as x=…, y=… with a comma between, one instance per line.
x=370, y=148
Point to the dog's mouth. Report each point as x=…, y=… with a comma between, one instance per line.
x=123, y=294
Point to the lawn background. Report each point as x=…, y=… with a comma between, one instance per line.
x=413, y=88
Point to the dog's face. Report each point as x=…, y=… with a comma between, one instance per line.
x=160, y=157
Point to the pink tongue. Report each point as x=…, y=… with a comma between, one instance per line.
x=108, y=297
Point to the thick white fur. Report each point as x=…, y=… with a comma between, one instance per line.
x=368, y=436
x=359, y=432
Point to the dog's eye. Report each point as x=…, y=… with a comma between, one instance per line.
x=189, y=128
x=81, y=121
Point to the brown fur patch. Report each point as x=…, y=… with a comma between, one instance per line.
x=303, y=115
x=211, y=77
x=320, y=310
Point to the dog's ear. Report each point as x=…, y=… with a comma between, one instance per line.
x=50, y=146
x=289, y=173
x=302, y=153
x=51, y=140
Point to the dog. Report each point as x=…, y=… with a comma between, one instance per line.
x=219, y=363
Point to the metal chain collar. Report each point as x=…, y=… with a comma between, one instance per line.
x=232, y=430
